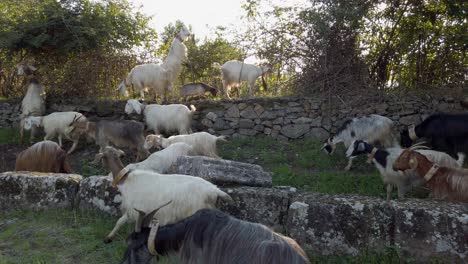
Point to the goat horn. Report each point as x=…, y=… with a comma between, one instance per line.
x=419, y=145
x=144, y=219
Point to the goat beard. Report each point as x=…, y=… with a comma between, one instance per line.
x=264, y=82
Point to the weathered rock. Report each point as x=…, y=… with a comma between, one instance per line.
x=211, y=116
x=233, y=111
x=410, y=120
x=222, y=172
x=246, y=123
x=259, y=109
x=318, y=133
x=207, y=122
x=336, y=224
x=220, y=124
x=36, y=190
x=261, y=205
x=248, y=113
x=97, y=193
x=295, y=131
x=248, y=132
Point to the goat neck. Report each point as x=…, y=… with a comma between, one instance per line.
x=115, y=166
x=424, y=165
x=91, y=129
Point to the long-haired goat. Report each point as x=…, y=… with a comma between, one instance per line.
x=383, y=160
x=44, y=156
x=211, y=236
x=203, y=143
x=196, y=89
x=121, y=133
x=444, y=132
x=167, y=118
x=159, y=77
x=33, y=103
x=450, y=184
x=235, y=72
x=374, y=129
x=57, y=124
x=142, y=189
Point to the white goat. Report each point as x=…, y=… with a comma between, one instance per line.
x=384, y=159
x=203, y=143
x=33, y=103
x=168, y=118
x=372, y=129
x=159, y=77
x=143, y=189
x=57, y=124
x=235, y=72
x=161, y=161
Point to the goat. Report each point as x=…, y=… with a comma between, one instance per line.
x=234, y=72
x=383, y=160
x=210, y=236
x=444, y=132
x=142, y=188
x=44, y=156
x=203, y=143
x=450, y=184
x=122, y=133
x=57, y=124
x=159, y=77
x=33, y=103
x=373, y=129
x=196, y=89
x=161, y=161
x=168, y=118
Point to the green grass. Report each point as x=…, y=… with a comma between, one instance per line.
x=60, y=236
x=10, y=136
x=302, y=164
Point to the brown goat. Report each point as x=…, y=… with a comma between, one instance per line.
x=44, y=156
x=450, y=184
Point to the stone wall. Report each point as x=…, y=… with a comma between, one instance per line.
x=282, y=118
x=322, y=224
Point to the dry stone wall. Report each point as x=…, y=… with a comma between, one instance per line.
x=283, y=118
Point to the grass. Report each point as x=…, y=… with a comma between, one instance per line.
x=302, y=164
x=69, y=236
x=10, y=136
x=60, y=236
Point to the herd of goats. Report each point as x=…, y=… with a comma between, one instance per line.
x=177, y=213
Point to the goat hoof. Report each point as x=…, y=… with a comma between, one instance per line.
x=107, y=240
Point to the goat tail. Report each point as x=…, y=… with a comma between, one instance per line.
x=222, y=138
x=192, y=109
x=461, y=159
x=224, y=196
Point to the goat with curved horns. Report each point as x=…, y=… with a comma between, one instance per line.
x=211, y=236
x=449, y=184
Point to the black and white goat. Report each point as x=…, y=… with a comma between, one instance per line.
x=211, y=236
x=384, y=159
x=444, y=132
x=374, y=129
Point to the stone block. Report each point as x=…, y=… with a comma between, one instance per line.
x=97, y=193
x=295, y=130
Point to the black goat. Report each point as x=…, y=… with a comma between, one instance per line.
x=211, y=236
x=444, y=132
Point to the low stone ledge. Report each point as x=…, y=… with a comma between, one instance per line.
x=268, y=206
x=97, y=193
x=334, y=225
x=222, y=172
x=37, y=190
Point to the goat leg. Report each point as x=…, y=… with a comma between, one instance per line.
x=389, y=191
x=122, y=220
x=75, y=143
x=350, y=163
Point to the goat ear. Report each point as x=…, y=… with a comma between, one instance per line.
x=413, y=163
x=97, y=158
x=121, y=153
